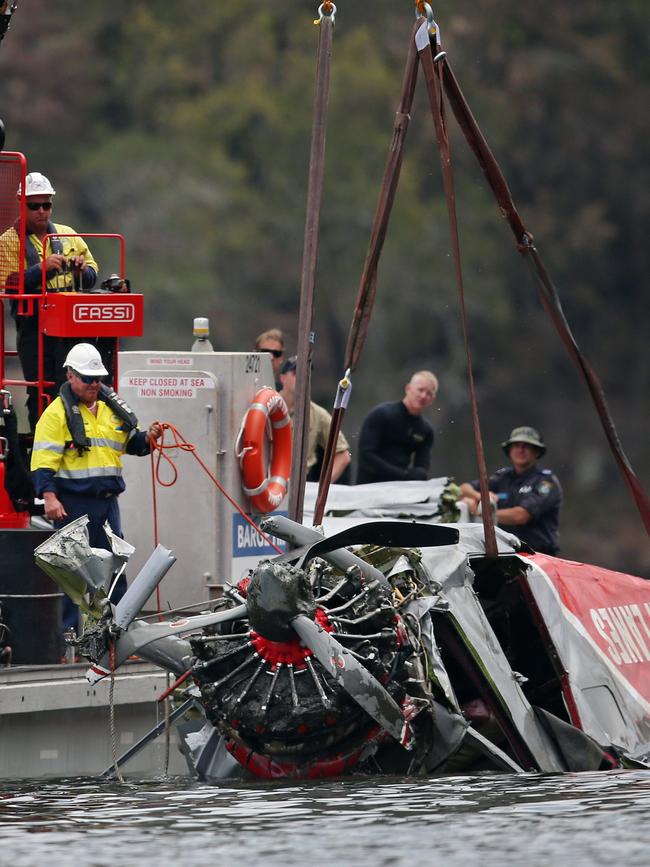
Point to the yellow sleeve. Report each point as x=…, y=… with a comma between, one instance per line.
x=49, y=440
x=9, y=255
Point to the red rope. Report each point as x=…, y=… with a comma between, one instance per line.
x=179, y=442
x=154, y=500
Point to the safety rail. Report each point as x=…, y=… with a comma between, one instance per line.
x=67, y=311
x=62, y=306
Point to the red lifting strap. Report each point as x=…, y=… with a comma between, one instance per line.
x=309, y=263
x=547, y=292
x=368, y=284
x=434, y=89
x=438, y=79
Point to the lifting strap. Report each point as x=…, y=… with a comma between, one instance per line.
x=7, y=9
x=309, y=262
x=547, y=292
x=434, y=89
x=368, y=284
x=546, y=289
x=419, y=49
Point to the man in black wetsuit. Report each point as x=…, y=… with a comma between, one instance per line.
x=527, y=497
x=395, y=441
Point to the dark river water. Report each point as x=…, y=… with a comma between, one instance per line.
x=567, y=819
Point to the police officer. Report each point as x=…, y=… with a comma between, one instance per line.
x=77, y=454
x=527, y=497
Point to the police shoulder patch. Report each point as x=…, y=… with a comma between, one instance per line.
x=544, y=487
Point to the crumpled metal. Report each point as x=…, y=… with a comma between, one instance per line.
x=78, y=569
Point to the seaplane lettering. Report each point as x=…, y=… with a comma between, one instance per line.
x=626, y=631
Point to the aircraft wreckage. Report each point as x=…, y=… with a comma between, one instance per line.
x=416, y=654
x=392, y=646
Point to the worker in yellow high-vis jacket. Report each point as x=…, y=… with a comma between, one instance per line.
x=77, y=454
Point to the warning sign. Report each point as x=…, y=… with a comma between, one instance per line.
x=166, y=386
x=170, y=361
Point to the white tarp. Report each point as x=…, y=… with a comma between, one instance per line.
x=380, y=499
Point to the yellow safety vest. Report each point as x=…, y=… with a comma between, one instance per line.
x=56, y=464
x=74, y=246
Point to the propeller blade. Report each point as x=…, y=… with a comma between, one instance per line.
x=390, y=534
x=305, y=537
x=207, y=754
x=351, y=675
x=143, y=585
x=141, y=634
x=171, y=654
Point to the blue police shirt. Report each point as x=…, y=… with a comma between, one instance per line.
x=540, y=493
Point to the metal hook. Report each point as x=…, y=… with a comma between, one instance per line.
x=327, y=8
x=425, y=10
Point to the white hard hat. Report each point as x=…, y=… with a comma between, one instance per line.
x=85, y=359
x=37, y=184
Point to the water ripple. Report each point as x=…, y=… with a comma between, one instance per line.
x=532, y=819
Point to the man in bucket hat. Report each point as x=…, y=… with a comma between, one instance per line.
x=527, y=497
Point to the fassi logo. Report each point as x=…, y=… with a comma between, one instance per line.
x=103, y=313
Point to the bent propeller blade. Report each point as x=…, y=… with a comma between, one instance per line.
x=142, y=634
x=145, y=582
x=351, y=675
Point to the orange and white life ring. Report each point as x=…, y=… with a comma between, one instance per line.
x=265, y=489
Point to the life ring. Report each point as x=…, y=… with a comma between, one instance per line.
x=265, y=490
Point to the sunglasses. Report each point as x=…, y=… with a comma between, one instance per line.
x=36, y=206
x=276, y=353
x=87, y=380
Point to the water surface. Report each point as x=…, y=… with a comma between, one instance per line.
x=568, y=819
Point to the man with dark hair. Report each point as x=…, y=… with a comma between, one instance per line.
x=527, y=497
x=395, y=441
